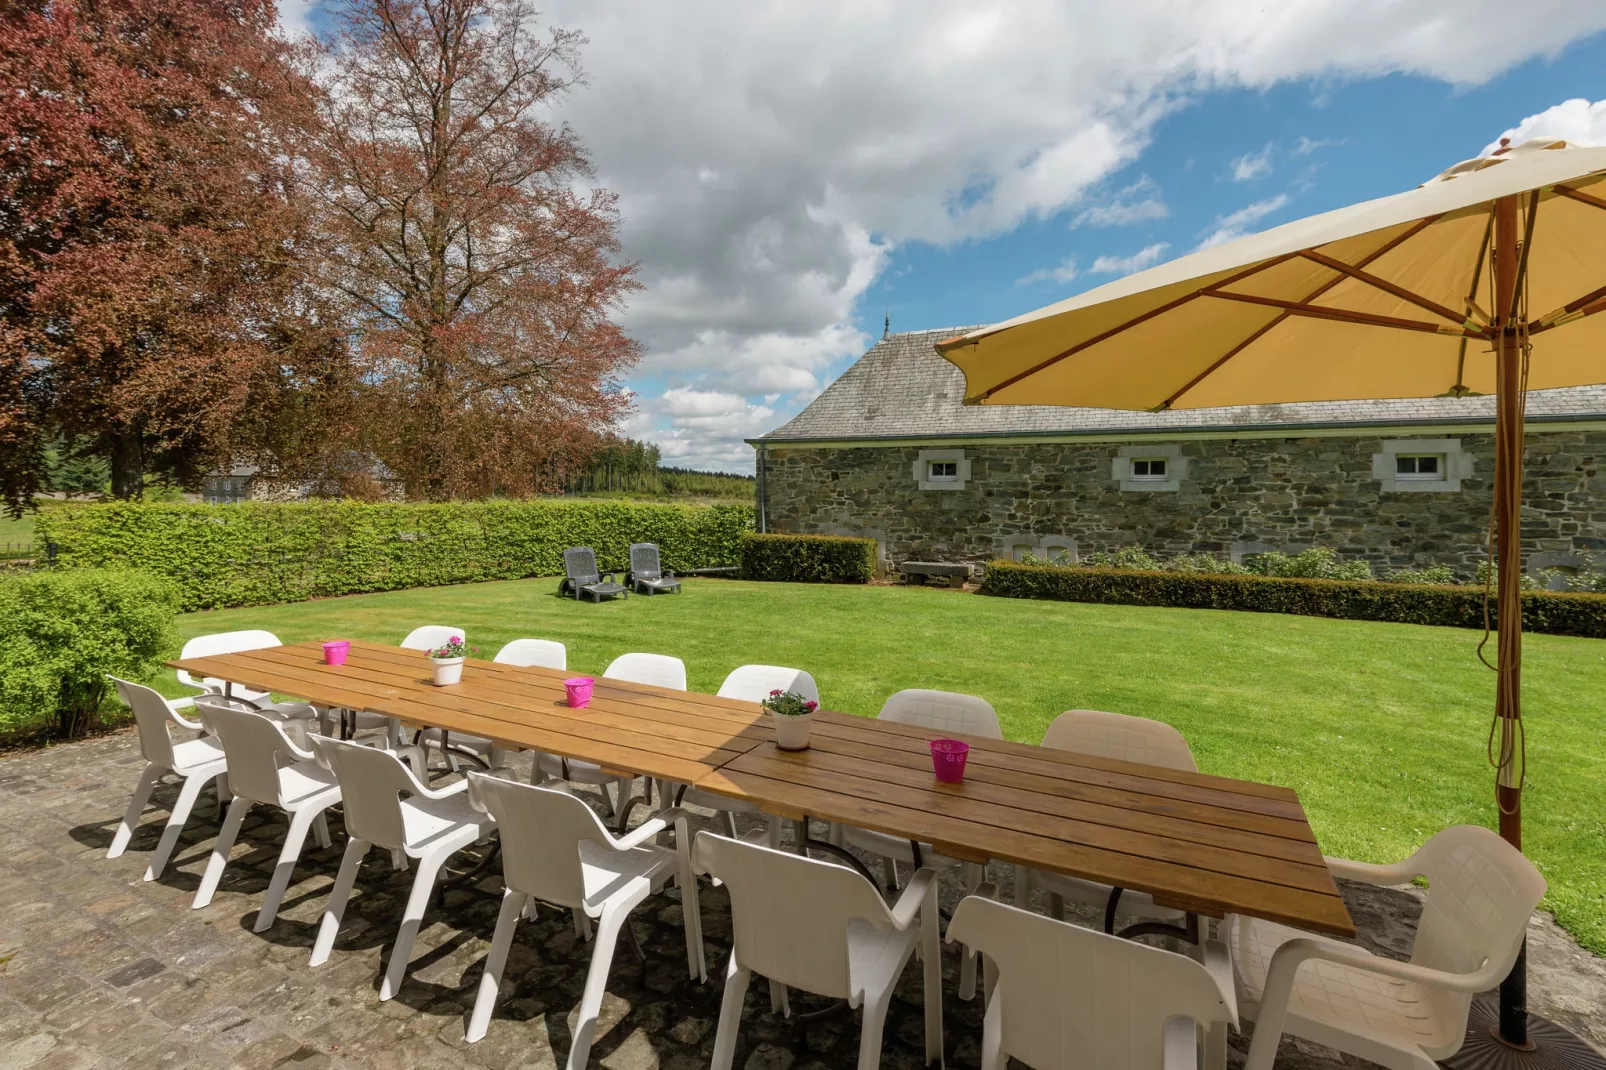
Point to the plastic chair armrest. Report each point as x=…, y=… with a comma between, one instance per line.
x=1369, y=873
x=194, y=726
x=1181, y=1043
x=906, y=911
x=1218, y=962
x=1301, y=950
x=443, y=793
x=648, y=829
x=182, y=703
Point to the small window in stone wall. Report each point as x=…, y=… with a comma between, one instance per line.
x=942, y=470
x=1148, y=468
x=1421, y=464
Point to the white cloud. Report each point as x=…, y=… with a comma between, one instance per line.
x=1307, y=145
x=1252, y=165
x=1576, y=120
x=1126, y=265
x=1138, y=203
x=1237, y=224
x=703, y=428
x=1064, y=271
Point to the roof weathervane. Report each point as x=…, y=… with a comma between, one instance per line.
x=886, y=324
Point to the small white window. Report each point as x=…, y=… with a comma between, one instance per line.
x=946, y=470
x=1148, y=468
x=1419, y=466
x=942, y=471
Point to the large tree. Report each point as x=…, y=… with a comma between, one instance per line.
x=147, y=232
x=481, y=280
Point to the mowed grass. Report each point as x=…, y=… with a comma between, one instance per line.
x=1381, y=728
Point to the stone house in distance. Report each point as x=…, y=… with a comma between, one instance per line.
x=889, y=451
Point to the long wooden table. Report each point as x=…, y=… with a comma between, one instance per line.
x=1207, y=845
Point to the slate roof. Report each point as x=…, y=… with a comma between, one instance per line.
x=901, y=388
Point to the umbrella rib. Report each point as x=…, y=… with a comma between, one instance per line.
x=1580, y=196
x=1344, y=315
x=1389, y=288
x=1587, y=305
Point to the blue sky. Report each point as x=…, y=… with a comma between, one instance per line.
x=788, y=172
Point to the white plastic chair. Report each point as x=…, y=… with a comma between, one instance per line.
x=752, y=683
x=544, y=653
x=938, y=712
x=195, y=761
x=822, y=928
x=428, y=825
x=430, y=636
x=1062, y=997
x=265, y=767
x=1402, y=1015
x=555, y=850
x=1107, y=735
x=206, y=646
x=659, y=670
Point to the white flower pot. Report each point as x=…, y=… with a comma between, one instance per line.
x=447, y=670
x=792, y=733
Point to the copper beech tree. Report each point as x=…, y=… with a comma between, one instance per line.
x=480, y=280
x=147, y=234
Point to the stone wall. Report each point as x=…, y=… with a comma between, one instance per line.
x=1236, y=495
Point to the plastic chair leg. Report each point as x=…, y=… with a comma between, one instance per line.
x=294, y=840
x=690, y=906
x=874, y=1022
x=507, y=922
x=320, y=829
x=931, y=961
x=608, y=926
x=220, y=852
x=730, y=1015
x=136, y=808
x=973, y=875
x=336, y=907
x=175, y=825
x=401, y=951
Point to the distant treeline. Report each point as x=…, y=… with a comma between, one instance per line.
x=631, y=466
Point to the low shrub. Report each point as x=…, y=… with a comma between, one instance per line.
x=808, y=558
x=62, y=632
x=1451, y=606
x=258, y=553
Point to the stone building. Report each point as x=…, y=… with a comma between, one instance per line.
x=888, y=451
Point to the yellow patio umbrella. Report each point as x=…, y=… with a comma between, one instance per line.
x=1488, y=279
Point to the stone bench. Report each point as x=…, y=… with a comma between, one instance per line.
x=921, y=571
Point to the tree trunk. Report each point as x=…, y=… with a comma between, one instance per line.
x=128, y=465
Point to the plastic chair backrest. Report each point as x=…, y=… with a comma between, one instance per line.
x=580, y=565
x=1117, y=735
x=544, y=653
x=252, y=744
x=371, y=784
x=205, y=646
x=790, y=914
x=660, y=670
x=430, y=636
x=644, y=563
x=942, y=711
x=755, y=682
x=1481, y=892
x=541, y=830
x=152, y=716
x=1071, y=996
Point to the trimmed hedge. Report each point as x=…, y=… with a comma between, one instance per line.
x=808, y=558
x=1455, y=607
x=258, y=553
x=62, y=632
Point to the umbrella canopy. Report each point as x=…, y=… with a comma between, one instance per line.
x=1386, y=299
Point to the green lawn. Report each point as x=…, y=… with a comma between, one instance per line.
x=1379, y=727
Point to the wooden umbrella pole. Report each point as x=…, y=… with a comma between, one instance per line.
x=1508, y=536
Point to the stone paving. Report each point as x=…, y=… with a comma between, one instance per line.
x=101, y=969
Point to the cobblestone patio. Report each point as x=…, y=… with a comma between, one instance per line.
x=100, y=969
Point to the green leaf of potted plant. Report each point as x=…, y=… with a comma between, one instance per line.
x=792, y=714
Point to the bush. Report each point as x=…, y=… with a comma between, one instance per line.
x=1451, y=606
x=1317, y=563
x=808, y=558
x=62, y=632
x=258, y=553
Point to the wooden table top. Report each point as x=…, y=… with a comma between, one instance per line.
x=1210, y=845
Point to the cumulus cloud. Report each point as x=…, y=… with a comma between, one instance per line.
x=1576, y=120
x=1126, y=265
x=1252, y=165
x=1237, y=224
x=703, y=428
x=1138, y=203
x=1307, y=145
x=1064, y=271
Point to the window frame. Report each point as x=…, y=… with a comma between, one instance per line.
x=1439, y=473
x=1149, y=474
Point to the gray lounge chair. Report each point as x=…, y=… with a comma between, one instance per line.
x=646, y=572
x=582, y=578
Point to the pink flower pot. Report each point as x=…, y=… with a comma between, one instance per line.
x=578, y=691
x=948, y=759
x=335, y=651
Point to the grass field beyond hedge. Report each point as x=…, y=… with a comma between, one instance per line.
x=1379, y=727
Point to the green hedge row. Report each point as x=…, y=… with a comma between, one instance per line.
x=808, y=558
x=62, y=632
x=260, y=553
x=1456, y=607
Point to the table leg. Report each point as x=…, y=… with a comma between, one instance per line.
x=805, y=843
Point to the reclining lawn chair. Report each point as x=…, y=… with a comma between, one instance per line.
x=582, y=578
x=646, y=572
